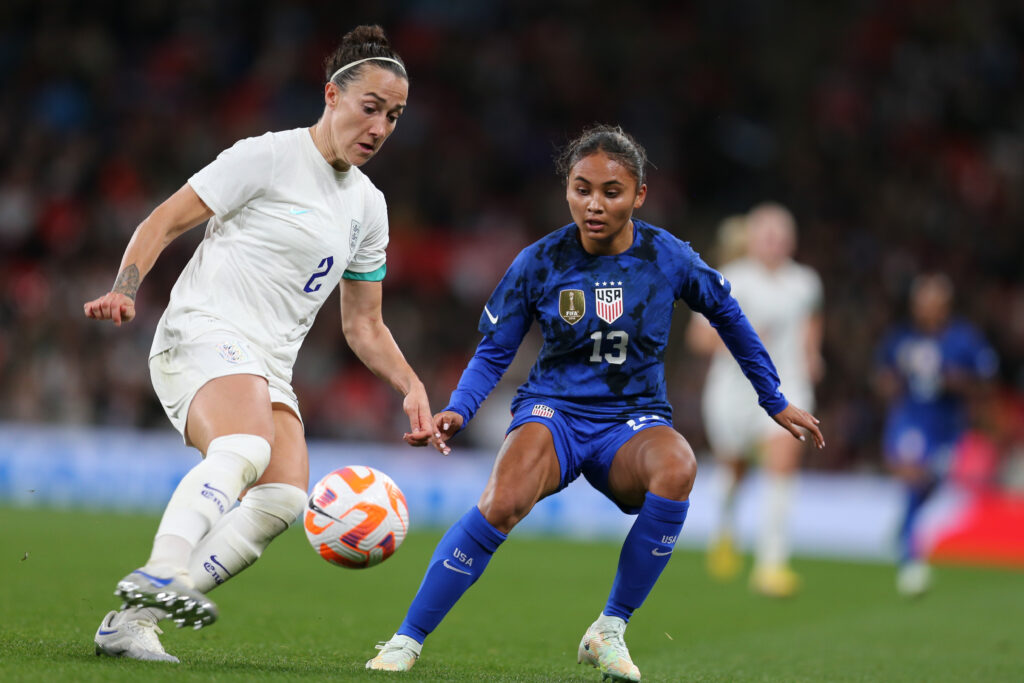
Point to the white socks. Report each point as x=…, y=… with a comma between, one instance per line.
x=241, y=536
x=204, y=495
x=238, y=539
x=773, y=541
x=725, y=488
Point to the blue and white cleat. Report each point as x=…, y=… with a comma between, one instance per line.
x=174, y=594
x=603, y=647
x=119, y=636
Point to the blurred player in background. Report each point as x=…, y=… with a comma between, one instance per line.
x=602, y=289
x=927, y=369
x=290, y=217
x=783, y=301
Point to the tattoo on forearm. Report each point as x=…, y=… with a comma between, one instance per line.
x=127, y=282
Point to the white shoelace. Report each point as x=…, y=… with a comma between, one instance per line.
x=147, y=632
x=613, y=637
x=391, y=652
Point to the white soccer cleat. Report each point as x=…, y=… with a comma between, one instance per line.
x=914, y=579
x=398, y=654
x=603, y=647
x=174, y=594
x=131, y=638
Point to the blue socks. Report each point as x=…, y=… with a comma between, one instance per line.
x=467, y=547
x=645, y=553
x=917, y=496
x=459, y=560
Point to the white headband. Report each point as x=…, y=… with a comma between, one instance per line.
x=360, y=61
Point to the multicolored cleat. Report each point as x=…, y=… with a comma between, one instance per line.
x=174, y=594
x=603, y=647
x=397, y=654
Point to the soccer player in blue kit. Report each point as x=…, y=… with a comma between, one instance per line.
x=926, y=369
x=603, y=289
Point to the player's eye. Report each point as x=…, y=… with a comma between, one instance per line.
x=582, y=190
x=369, y=109
x=393, y=118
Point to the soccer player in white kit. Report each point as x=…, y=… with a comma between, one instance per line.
x=783, y=301
x=290, y=216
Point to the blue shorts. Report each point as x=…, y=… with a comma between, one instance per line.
x=586, y=445
x=907, y=442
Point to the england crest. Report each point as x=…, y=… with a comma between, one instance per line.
x=571, y=305
x=609, y=303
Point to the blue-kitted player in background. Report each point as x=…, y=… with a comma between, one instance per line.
x=603, y=289
x=927, y=368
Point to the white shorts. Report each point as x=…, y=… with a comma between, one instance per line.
x=180, y=371
x=735, y=424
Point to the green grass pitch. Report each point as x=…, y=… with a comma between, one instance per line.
x=296, y=618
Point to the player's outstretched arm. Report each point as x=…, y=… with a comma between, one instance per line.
x=448, y=422
x=794, y=419
x=181, y=211
x=371, y=340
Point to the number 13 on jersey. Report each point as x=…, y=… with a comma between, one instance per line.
x=617, y=340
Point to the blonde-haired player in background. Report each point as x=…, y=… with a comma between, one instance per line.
x=290, y=217
x=783, y=300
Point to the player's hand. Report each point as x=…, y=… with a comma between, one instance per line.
x=111, y=306
x=447, y=423
x=421, y=426
x=793, y=419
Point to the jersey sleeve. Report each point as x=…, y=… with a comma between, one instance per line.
x=815, y=291
x=507, y=315
x=706, y=291
x=368, y=261
x=239, y=174
x=478, y=380
x=978, y=357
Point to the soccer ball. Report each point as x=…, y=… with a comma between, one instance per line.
x=356, y=517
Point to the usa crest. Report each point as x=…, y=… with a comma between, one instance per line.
x=609, y=302
x=571, y=305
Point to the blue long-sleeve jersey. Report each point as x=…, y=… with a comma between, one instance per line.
x=605, y=322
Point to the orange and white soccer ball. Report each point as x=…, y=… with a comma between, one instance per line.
x=356, y=517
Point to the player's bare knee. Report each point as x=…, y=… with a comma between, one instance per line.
x=502, y=510
x=674, y=479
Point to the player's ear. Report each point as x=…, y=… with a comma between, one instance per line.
x=641, y=195
x=331, y=94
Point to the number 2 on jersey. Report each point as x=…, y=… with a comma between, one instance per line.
x=619, y=341
x=324, y=268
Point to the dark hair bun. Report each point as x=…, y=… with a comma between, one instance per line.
x=362, y=42
x=365, y=35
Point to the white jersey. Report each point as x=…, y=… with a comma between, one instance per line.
x=286, y=227
x=779, y=303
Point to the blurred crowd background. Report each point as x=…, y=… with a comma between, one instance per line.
x=893, y=129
